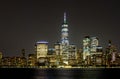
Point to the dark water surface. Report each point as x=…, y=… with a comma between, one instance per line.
x=81, y=73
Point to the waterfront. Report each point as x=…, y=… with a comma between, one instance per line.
x=59, y=73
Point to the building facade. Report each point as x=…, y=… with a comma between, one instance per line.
x=72, y=54
x=65, y=41
x=41, y=51
x=86, y=47
x=94, y=44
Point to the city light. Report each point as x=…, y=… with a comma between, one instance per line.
x=66, y=55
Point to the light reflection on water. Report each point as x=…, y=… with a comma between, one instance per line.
x=80, y=73
x=68, y=74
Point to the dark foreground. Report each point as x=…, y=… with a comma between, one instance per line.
x=81, y=73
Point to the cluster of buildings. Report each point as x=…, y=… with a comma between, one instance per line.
x=64, y=54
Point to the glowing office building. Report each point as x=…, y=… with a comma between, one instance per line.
x=64, y=32
x=90, y=45
x=0, y=55
x=86, y=47
x=65, y=41
x=58, y=48
x=1, y=58
x=41, y=50
x=94, y=44
x=72, y=54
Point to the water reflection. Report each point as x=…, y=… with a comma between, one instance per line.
x=68, y=74
x=40, y=74
x=85, y=73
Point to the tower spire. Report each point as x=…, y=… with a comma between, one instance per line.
x=64, y=17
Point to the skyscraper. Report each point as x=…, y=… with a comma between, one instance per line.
x=90, y=45
x=94, y=44
x=41, y=50
x=64, y=32
x=86, y=47
x=65, y=41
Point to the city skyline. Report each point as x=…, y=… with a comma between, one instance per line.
x=24, y=23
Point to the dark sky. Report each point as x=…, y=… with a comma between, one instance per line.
x=22, y=23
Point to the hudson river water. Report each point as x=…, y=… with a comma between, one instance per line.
x=74, y=73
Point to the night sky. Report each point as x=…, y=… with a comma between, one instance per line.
x=22, y=23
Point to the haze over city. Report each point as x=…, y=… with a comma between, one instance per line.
x=24, y=23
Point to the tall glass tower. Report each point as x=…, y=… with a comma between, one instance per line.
x=64, y=32
x=65, y=41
